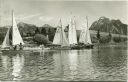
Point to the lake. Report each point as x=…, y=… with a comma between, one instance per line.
x=108, y=63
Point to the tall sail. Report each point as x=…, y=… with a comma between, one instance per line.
x=6, y=42
x=72, y=37
x=60, y=37
x=57, y=36
x=16, y=37
x=88, y=37
x=64, y=39
x=85, y=35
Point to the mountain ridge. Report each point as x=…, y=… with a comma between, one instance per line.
x=104, y=24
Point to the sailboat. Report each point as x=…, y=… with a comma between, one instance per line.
x=13, y=39
x=85, y=39
x=72, y=36
x=60, y=41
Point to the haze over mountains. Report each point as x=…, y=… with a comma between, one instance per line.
x=103, y=24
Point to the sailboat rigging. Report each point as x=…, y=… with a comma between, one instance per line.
x=16, y=37
x=85, y=34
x=85, y=39
x=60, y=40
x=6, y=42
x=72, y=37
x=15, y=40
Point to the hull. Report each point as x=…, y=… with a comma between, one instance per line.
x=23, y=49
x=12, y=51
x=12, y=48
x=72, y=47
x=60, y=48
x=85, y=46
x=35, y=48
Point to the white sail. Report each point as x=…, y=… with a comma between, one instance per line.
x=64, y=40
x=6, y=42
x=72, y=37
x=16, y=37
x=85, y=35
x=57, y=36
x=60, y=37
x=88, y=37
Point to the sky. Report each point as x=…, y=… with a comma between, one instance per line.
x=40, y=12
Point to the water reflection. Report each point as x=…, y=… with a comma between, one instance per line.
x=85, y=63
x=65, y=64
x=110, y=63
x=5, y=61
x=109, y=57
x=45, y=65
x=57, y=64
x=12, y=64
x=73, y=63
x=80, y=65
x=18, y=63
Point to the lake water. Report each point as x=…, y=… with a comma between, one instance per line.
x=107, y=63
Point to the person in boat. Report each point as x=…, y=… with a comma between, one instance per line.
x=15, y=47
x=21, y=46
x=18, y=47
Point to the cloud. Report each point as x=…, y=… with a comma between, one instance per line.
x=22, y=17
x=45, y=18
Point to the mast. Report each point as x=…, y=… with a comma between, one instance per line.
x=12, y=19
x=87, y=21
x=61, y=32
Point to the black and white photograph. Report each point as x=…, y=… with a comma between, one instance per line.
x=63, y=40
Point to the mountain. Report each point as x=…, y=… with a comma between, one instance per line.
x=104, y=24
x=47, y=25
